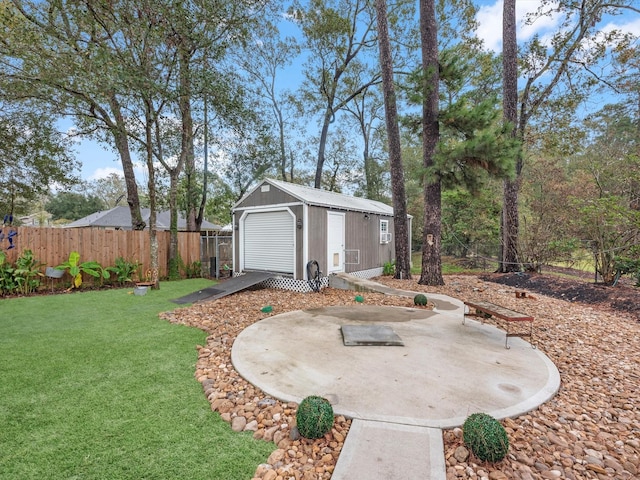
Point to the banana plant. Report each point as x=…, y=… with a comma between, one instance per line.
x=27, y=272
x=76, y=269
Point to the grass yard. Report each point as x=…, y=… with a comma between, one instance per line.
x=95, y=386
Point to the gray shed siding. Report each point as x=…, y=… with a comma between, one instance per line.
x=361, y=234
x=363, y=250
x=273, y=197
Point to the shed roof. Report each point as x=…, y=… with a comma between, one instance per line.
x=325, y=198
x=120, y=217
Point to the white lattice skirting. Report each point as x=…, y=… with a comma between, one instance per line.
x=366, y=274
x=302, y=286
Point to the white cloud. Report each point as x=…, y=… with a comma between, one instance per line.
x=104, y=172
x=632, y=26
x=490, y=19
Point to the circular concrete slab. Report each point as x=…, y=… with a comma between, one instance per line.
x=444, y=372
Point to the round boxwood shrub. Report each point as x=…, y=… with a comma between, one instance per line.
x=314, y=417
x=486, y=437
x=420, y=300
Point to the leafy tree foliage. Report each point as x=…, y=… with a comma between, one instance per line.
x=470, y=222
x=73, y=206
x=340, y=35
x=611, y=229
x=111, y=190
x=562, y=71
x=33, y=156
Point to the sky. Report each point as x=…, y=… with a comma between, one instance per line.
x=98, y=161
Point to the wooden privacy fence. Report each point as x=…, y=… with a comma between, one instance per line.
x=52, y=246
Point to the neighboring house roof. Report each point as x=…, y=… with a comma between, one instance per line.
x=325, y=198
x=120, y=217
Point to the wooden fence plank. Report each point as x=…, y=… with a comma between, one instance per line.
x=52, y=246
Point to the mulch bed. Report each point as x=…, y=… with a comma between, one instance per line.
x=622, y=297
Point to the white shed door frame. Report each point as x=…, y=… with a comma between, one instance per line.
x=335, y=242
x=268, y=240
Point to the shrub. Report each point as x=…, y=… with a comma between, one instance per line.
x=314, y=417
x=7, y=282
x=124, y=270
x=27, y=272
x=389, y=268
x=194, y=270
x=420, y=299
x=76, y=269
x=485, y=437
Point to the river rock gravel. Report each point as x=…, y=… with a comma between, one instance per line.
x=589, y=430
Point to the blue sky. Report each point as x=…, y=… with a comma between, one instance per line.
x=98, y=161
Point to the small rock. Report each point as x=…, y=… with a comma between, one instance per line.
x=461, y=454
x=596, y=468
x=497, y=475
x=252, y=426
x=270, y=475
x=238, y=424
x=266, y=402
x=276, y=456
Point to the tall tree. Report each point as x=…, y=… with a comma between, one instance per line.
x=366, y=113
x=110, y=189
x=563, y=70
x=33, y=156
x=509, y=261
x=340, y=36
x=400, y=221
x=53, y=53
x=431, y=261
x=263, y=60
x=73, y=206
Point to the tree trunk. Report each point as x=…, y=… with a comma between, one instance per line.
x=431, y=273
x=400, y=222
x=153, y=236
x=174, y=268
x=186, y=145
x=122, y=145
x=509, y=261
x=322, y=147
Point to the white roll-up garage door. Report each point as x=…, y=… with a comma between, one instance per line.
x=269, y=241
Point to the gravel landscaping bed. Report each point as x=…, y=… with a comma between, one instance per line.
x=589, y=430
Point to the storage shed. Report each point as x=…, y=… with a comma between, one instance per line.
x=281, y=227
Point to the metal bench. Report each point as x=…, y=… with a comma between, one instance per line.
x=485, y=310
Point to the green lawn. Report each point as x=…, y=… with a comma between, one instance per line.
x=95, y=386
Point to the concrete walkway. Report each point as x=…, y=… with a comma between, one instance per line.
x=399, y=396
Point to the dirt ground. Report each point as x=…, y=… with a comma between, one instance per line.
x=623, y=297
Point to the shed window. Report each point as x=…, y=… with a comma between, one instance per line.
x=385, y=234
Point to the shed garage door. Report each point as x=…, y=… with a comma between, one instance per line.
x=269, y=241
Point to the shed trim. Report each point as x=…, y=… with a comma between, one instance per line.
x=243, y=236
x=269, y=207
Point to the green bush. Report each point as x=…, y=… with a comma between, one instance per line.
x=314, y=417
x=485, y=437
x=389, y=268
x=76, y=269
x=7, y=282
x=420, y=300
x=628, y=266
x=27, y=273
x=124, y=270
